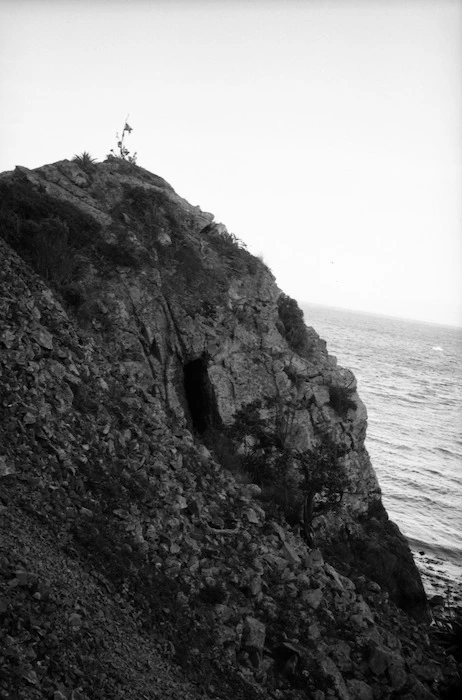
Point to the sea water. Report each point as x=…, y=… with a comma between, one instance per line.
x=410, y=378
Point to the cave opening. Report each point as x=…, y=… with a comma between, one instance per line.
x=200, y=396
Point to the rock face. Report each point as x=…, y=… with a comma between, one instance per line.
x=128, y=357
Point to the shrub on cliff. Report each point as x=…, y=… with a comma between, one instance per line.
x=293, y=325
x=299, y=483
x=319, y=487
x=53, y=237
x=50, y=251
x=341, y=401
x=85, y=161
x=232, y=251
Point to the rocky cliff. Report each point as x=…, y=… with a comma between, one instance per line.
x=166, y=417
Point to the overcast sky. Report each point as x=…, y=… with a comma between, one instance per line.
x=327, y=135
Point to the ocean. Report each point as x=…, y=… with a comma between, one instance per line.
x=410, y=378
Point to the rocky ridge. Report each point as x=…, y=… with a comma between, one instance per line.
x=134, y=330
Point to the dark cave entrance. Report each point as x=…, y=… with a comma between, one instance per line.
x=200, y=396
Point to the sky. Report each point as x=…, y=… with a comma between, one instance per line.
x=326, y=135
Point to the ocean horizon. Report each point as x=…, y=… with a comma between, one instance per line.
x=376, y=314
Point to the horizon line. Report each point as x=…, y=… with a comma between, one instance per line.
x=381, y=314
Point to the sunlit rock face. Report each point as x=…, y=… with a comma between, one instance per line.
x=199, y=328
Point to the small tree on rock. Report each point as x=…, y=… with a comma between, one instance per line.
x=124, y=153
x=324, y=482
x=302, y=483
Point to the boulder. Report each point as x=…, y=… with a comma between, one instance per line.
x=254, y=633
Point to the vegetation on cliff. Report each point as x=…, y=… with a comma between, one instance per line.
x=298, y=484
